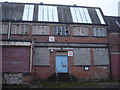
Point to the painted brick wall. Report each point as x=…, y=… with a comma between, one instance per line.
x=13, y=78
x=15, y=59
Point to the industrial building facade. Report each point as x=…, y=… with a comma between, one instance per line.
x=39, y=40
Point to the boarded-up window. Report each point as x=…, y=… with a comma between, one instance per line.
x=61, y=30
x=80, y=31
x=82, y=56
x=41, y=56
x=101, y=56
x=4, y=29
x=41, y=30
x=19, y=29
x=101, y=32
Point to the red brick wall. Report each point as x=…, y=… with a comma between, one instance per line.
x=114, y=65
x=15, y=59
x=71, y=38
x=95, y=72
x=114, y=42
x=114, y=54
x=46, y=71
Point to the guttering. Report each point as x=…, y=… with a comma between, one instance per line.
x=69, y=23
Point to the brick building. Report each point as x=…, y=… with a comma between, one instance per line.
x=114, y=45
x=39, y=40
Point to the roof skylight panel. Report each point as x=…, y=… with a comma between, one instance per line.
x=83, y=15
x=87, y=15
x=25, y=13
x=74, y=17
x=78, y=15
x=50, y=13
x=41, y=13
x=28, y=12
x=117, y=23
x=55, y=14
x=100, y=16
x=46, y=18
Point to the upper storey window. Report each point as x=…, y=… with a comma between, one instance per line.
x=19, y=29
x=80, y=31
x=41, y=30
x=61, y=30
x=4, y=29
x=100, y=32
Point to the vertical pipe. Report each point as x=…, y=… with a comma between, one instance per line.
x=9, y=30
x=31, y=56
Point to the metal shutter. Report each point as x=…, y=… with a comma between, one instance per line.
x=101, y=56
x=82, y=56
x=41, y=56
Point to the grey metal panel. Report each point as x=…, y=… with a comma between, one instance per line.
x=68, y=15
x=101, y=56
x=68, y=44
x=35, y=14
x=64, y=14
x=0, y=14
x=112, y=25
x=94, y=16
x=41, y=56
x=61, y=15
x=12, y=11
x=82, y=56
x=51, y=13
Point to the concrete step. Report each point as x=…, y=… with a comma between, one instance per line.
x=62, y=77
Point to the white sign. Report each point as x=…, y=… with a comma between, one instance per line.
x=51, y=38
x=70, y=53
x=87, y=68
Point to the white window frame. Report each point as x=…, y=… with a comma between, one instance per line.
x=99, y=32
x=20, y=31
x=40, y=30
x=4, y=29
x=77, y=31
x=63, y=30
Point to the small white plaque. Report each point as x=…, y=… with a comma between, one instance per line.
x=70, y=53
x=86, y=68
x=51, y=38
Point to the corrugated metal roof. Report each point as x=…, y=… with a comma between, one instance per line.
x=113, y=23
x=51, y=13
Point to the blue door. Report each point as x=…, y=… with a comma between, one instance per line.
x=61, y=64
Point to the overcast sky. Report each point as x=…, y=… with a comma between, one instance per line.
x=109, y=7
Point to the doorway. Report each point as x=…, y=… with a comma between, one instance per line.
x=61, y=64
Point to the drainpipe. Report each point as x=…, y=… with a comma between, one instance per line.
x=31, y=56
x=9, y=30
